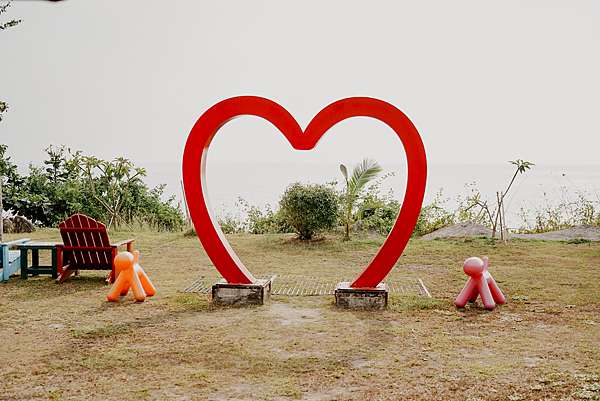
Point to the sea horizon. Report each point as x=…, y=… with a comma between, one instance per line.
x=261, y=183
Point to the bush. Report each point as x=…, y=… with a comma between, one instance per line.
x=259, y=221
x=309, y=209
x=266, y=222
x=433, y=216
x=378, y=214
x=377, y=211
x=230, y=225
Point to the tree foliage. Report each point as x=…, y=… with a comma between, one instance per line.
x=112, y=191
x=3, y=108
x=3, y=26
x=10, y=23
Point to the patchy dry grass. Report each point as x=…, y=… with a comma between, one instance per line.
x=64, y=342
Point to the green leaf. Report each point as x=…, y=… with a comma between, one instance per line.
x=361, y=175
x=344, y=171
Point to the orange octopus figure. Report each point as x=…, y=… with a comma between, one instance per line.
x=130, y=275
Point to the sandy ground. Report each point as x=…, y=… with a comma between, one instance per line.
x=462, y=230
x=65, y=342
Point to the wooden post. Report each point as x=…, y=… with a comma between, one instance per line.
x=24, y=271
x=187, y=210
x=501, y=216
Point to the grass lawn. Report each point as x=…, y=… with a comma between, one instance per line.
x=62, y=342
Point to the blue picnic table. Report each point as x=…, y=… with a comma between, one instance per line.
x=10, y=260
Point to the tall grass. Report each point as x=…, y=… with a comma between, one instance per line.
x=584, y=209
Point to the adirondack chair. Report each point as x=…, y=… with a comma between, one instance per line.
x=87, y=247
x=10, y=261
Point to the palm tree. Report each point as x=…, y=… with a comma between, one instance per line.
x=361, y=175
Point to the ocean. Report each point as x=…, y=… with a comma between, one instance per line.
x=262, y=183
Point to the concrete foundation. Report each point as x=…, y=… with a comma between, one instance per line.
x=361, y=298
x=258, y=293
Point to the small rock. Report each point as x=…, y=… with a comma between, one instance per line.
x=17, y=225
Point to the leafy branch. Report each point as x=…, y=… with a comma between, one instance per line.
x=109, y=182
x=496, y=214
x=10, y=23
x=4, y=26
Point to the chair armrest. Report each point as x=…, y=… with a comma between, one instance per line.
x=128, y=242
x=121, y=243
x=15, y=242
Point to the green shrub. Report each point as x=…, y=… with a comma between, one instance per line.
x=433, y=216
x=378, y=214
x=263, y=221
x=266, y=222
x=309, y=209
x=231, y=225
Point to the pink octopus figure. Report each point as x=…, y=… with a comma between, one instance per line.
x=480, y=283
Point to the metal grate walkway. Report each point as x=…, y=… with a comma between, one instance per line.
x=302, y=286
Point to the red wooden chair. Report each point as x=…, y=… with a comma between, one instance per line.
x=87, y=247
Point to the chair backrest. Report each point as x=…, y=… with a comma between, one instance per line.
x=86, y=243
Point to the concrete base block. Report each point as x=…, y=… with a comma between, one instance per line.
x=258, y=293
x=361, y=298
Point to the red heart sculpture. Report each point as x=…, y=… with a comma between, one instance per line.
x=194, y=166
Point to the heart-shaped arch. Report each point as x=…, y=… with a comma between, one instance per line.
x=194, y=166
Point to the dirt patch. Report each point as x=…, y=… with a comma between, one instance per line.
x=472, y=230
x=334, y=394
x=288, y=315
x=459, y=230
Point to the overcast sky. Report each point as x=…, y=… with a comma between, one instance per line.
x=483, y=81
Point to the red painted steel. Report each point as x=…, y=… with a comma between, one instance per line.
x=194, y=169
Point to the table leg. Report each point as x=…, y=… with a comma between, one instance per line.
x=24, y=264
x=54, y=263
x=35, y=260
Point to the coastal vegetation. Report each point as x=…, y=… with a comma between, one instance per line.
x=69, y=182
x=366, y=171
x=114, y=191
x=370, y=210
